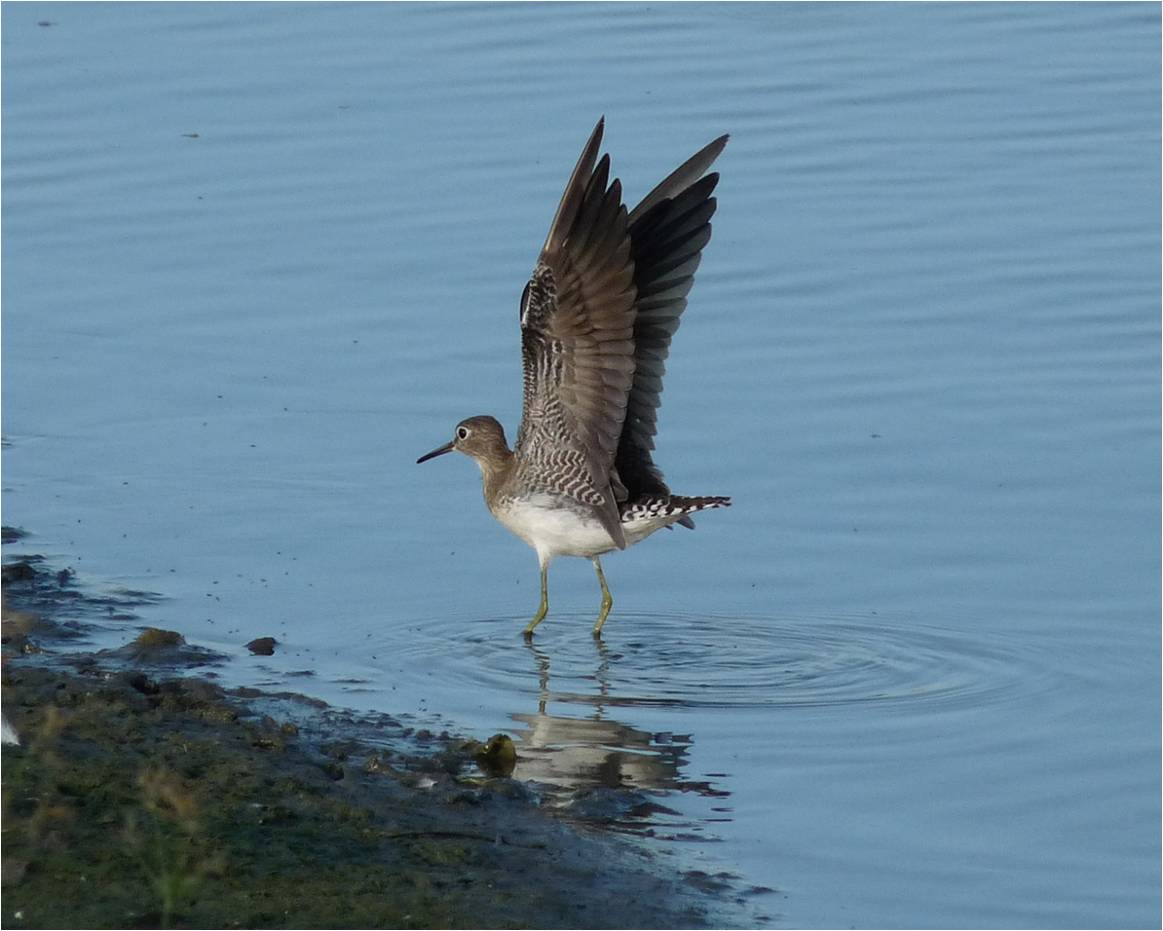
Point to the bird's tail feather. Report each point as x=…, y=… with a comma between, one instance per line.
x=654, y=506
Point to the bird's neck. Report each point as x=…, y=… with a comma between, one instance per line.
x=496, y=467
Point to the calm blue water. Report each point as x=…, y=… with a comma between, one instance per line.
x=258, y=258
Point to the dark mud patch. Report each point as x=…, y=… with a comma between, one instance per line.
x=63, y=609
x=12, y=534
x=140, y=798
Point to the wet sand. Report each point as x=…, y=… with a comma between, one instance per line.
x=142, y=794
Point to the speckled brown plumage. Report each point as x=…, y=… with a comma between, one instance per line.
x=597, y=317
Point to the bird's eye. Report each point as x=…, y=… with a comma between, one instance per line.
x=462, y=433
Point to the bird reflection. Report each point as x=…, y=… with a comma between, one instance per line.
x=574, y=753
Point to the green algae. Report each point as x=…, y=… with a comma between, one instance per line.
x=139, y=804
x=154, y=638
x=136, y=800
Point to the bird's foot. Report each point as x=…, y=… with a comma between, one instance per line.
x=607, y=603
x=537, y=619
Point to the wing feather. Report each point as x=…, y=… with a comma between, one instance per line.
x=668, y=231
x=597, y=318
x=577, y=336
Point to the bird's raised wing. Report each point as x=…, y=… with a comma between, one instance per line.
x=668, y=231
x=577, y=342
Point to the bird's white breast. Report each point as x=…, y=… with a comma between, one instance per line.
x=557, y=527
x=553, y=529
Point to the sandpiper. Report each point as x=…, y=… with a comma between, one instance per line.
x=597, y=318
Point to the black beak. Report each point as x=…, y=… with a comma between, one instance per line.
x=438, y=451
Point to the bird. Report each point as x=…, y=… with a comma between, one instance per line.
x=597, y=316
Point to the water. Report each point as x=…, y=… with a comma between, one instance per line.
x=258, y=258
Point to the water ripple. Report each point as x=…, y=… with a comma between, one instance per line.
x=726, y=661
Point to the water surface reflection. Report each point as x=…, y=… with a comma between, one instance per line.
x=576, y=755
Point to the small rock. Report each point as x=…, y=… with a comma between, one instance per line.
x=153, y=639
x=163, y=648
x=263, y=646
x=498, y=757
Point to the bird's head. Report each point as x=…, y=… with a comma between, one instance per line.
x=481, y=437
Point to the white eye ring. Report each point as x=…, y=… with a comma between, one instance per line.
x=462, y=433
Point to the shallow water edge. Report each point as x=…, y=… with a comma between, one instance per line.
x=142, y=794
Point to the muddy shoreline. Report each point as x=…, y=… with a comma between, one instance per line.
x=142, y=794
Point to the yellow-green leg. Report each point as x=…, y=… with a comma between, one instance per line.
x=607, y=601
x=544, y=607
